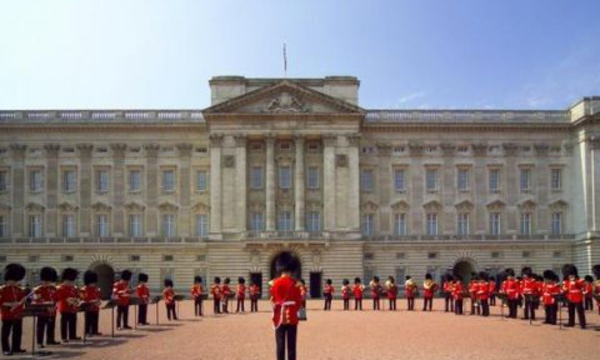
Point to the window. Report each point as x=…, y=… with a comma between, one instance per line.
x=525, y=180
x=556, y=223
x=168, y=258
x=366, y=180
x=556, y=179
x=495, y=255
x=256, y=221
x=68, y=258
x=35, y=226
x=432, y=224
x=168, y=225
x=68, y=225
x=69, y=180
x=432, y=255
x=135, y=225
x=168, y=180
x=3, y=226
x=102, y=225
x=256, y=177
x=313, y=221
x=313, y=178
x=134, y=258
x=495, y=223
x=400, y=224
x=463, y=224
x=431, y=179
x=102, y=181
x=35, y=180
x=526, y=223
x=494, y=180
x=399, y=180
x=3, y=180
x=368, y=225
x=202, y=225
x=463, y=179
x=285, y=177
x=285, y=221
x=285, y=145
x=135, y=180
x=201, y=181
x=557, y=254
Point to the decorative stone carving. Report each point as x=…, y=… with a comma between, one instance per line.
x=448, y=149
x=185, y=149
x=18, y=149
x=432, y=205
x=118, y=149
x=541, y=149
x=569, y=147
x=167, y=207
x=510, y=149
x=316, y=258
x=354, y=139
x=67, y=207
x=52, y=149
x=85, y=150
x=255, y=259
x=594, y=143
x=384, y=149
x=464, y=205
x=34, y=207
x=201, y=207
x=215, y=139
x=558, y=205
x=228, y=161
x=527, y=205
x=286, y=103
x=479, y=149
x=101, y=207
x=152, y=149
x=400, y=206
x=240, y=140
x=341, y=160
x=369, y=207
x=495, y=205
x=416, y=148
x=134, y=207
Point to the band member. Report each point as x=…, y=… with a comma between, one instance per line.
x=122, y=293
x=573, y=288
x=226, y=294
x=375, y=288
x=529, y=291
x=448, y=290
x=410, y=291
x=303, y=291
x=143, y=293
x=90, y=296
x=286, y=299
x=215, y=291
x=429, y=288
x=12, y=304
x=358, y=290
x=254, y=296
x=328, y=294
x=549, y=290
x=473, y=288
x=197, y=291
x=596, y=271
x=67, y=296
x=483, y=294
x=346, y=293
x=588, y=293
x=392, y=292
x=510, y=287
x=45, y=294
x=169, y=298
x=492, y=290
x=457, y=294
x=241, y=294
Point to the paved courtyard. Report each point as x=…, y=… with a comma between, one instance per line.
x=337, y=335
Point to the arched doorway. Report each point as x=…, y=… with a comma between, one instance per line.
x=296, y=275
x=106, y=279
x=464, y=268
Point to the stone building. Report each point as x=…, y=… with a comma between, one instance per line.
x=297, y=165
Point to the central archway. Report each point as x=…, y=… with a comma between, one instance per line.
x=106, y=279
x=464, y=268
x=296, y=275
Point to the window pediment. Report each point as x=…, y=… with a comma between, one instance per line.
x=527, y=204
x=558, y=204
x=68, y=207
x=432, y=205
x=200, y=207
x=34, y=207
x=464, y=205
x=369, y=206
x=167, y=207
x=101, y=207
x=134, y=206
x=495, y=205
x=400, y=206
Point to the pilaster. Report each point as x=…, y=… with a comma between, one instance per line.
x=299, y=187
x=270, y=183
x=85, y=188
x=19, y=187
x=215, y=185
x=184, y=222
x=152, y=186
x=329, y=191
x=241, y=182
x=118, y=192
x=51, y=189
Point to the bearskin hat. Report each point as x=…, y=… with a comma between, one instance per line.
x=569, y=270
x=376, y=278
x=588, y=278
x=596, y=271
x=549, y=275
x=227, y=280
x=197, y=279
x=483, y=276
x=142, y=277
x=90, y=277
x=391, y=279
x=126, y=275
x=241, y=280
x=168, y=283
x=526, y=271
x=48, y=274
x=14, y=272
x=509, y=272
x=458, y=277
x=345, y=282
x=217, y=280
x=428, y=276
x=329, y=282
x=69, y=274
x=357, y=280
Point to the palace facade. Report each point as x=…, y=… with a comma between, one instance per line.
x=297, y=165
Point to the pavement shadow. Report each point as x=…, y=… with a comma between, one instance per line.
x=53, y=355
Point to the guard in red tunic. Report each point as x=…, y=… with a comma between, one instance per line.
x=12, y=304
x=346, y=293
x=122, y=293
x=429, y=288
x=410, y=291
x=483, y=293
x=391, y=291
x=90, y=296
x=286, y=299
x=588, y=293
x=473, y=288
x=510, y=287
x=457, y=294
x=215, y=291
x=447, y=289
x=328, y=294
x=226, y=294
x=596, y=271
x=45, y=294
x=254, y=296
x=143, y=293
x=492, y=283
x=529, y=291
x=303, y=291
x=573, y=287
x=68, y=298
x=375, y=288
x=197, y=292
x=169, y=298
x=241, y=294
x=358, y=290
x=549, y=290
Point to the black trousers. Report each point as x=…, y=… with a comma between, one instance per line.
x=410, y=303
x=226, y=304
x=376, y=304
x=589, y=303
x=392, y=304
x=427, y=303
x=45, y=324
x=512, y=308
x=485, y=307
x=493, y=300
x=346, y=304
x=143, y=314
x=328, y=298
x=122, y=316
x=16, y=327
x=217, y=305
x=171, y=313
x=573, y=307
x=240, y=305
x=529, y=309
x=357, y=304
x=449, y=303
x=198, y=307
x=253, y=305
x=551, y=311
x=91, y=322
x=283, y=334
x=68, y=326
x=458, y=306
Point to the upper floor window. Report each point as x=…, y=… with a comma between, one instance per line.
x=313, y=221
x=526, y=223
x=494, y=180
x=256, y=221
x=169, y=225
x=69, y=181
x=135, y=225
x=68, y=225
x=256, y=177
x=400, y=224
x=35, y=180
x=35, y=226
x=3, y=226
x=494, y=223
x=556, y=223
x=399, y=180
x=168, y=180
x=313, y=178
x=102, y=181
x=285, y=221
x=202, y=225
x=463, y=224
x=556, y=179
x=368, y=224
x=431, y=179
x=525, y=180
x=102, y=225
x=135, y=180
x=432, y=224
x=201, y=180
x=285, y=177
x=3, y=180
x=366, y=180
x=463, y=179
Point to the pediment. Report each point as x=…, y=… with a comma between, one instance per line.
x=495, y=205
x=400, y=206
x=101, y=207
x=527, y=204
x=168, y=207
x=67, y=206
x=432, y=205
x=558, y=204
x=34, y=207
x=284, y=97
x=200, y=207
x=369, y=206
x=4, y=207
x=134, y=206
x=464, y=205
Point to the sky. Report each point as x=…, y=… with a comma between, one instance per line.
x=419, y=54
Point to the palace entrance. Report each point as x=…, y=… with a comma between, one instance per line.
x=464, y=268
x=106, y=279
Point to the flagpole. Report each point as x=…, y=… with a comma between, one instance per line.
x=284, y=61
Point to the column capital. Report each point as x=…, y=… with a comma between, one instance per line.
x=85, y=149
x=384, y=149
x=240, y=140
x=510, y=149
x=354, y=139
x=118, y=149
x=329, y=139
x=215, y=139
x=299, y=139
x=18, y=149
x=541, y=149
x=185, y=149
x=152, y=149
x=447, y=149
x=51, y=149
x=479, y=149
x=270, y=139
x=416, y=148
x=594, y=143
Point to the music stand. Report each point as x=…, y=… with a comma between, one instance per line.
x=178, y=299
x=35, y=310
x=155, y=300
x=560, y=299
x=111, y=304
x=135, y=301
x=503, y=301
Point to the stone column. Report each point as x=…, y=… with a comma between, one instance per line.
x=118, y=200
x=270, y=183
x=511, y=188
x=448, y=190
x=329, y=142
x=354, y=190
x=416, y=190
x=85, y=188
x=183, y=219
x=215, y=185
x=384, y=186
x=240, y=182
x=52, y=189
x=480, y=186
x=152, y=185
x=540, y=181
x=19, y=187
x=594, y=146
x=299, y=183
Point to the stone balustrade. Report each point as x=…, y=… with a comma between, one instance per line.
x=467, y=116
x=101, y=116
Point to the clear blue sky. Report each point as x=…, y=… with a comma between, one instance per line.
x=530, y=54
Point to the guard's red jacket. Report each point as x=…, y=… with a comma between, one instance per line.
x=9, y=294
x=121, y=292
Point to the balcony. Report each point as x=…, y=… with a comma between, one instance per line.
x=293, y=235
x=469, y=238
x=102, y=240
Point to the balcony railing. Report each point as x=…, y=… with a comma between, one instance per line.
x=103, y=240
x=281, y=234
x=458, y=238
x=102, y=116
